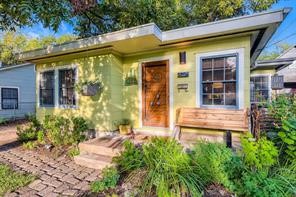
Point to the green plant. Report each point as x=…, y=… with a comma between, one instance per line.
x=30, y=145
x=288, y=138
x=167, y=170
x=41, y=137
x=74, y=151
x=210, y=160
x=283, y=107
x=2, y=121
x=29, y=132
x=258, y=154
x=10, y=180
x=131, y=158
x=109, y=180
x=79, y=127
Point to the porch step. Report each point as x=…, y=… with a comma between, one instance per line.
x=102, y=146
x=94, y=161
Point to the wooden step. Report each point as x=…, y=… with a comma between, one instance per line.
x=94, y=161
x=111, y=147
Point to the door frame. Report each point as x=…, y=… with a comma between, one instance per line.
x=171, y=88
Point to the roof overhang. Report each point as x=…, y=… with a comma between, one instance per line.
x=273, y=64
x=260, y=27
x=3, y=68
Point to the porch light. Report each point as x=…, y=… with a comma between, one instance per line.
x=182, y=56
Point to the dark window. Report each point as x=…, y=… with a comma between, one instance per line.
x=259, y=89
x=219, y=81
x=9, y=98
x=67, y=87
x=46, y=89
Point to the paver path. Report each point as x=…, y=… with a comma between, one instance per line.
x=56, y=177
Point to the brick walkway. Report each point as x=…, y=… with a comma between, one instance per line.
x=56, y=177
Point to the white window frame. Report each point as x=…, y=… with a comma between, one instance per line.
x=269, y=84
x=18, y=95
x=240, y=78
x=56, y=87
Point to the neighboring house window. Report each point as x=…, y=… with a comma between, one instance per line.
x=219, y=81
x=46, y=89
x=67, y=87
x=259, y=89
x=9, y=98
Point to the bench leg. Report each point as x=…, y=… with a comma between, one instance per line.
x=229, y=139
x=177, y=133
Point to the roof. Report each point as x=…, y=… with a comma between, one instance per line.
x=290, y=53
x=260, y=26
x=4, y=68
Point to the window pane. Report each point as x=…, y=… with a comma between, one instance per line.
x=230, y=87
x=219, y=63
x=259, y=89
x=230, y=99
x=218, y=87
x=207, y=99
x=9, y=98
x=218, y=99
x=66, y=87
x=207, y=88
x=46, y=88
x=207, y=64
x=230, y=74
x=207, y=76
x=230, y=63
x=218, y=75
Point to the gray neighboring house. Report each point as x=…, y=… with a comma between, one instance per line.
x=17, y=91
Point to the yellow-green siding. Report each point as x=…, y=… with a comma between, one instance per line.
x=118, y=100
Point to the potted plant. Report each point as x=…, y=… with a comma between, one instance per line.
x=125, y=127
x=89, y=88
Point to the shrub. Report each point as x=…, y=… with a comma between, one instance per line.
x=29, y=132
x=258, y=154
x=283, y=107
x=210, y=160
x=168, y=170
x=73, y=151
x=30, y=145
x=109, y=180
x=130, y=159
x=288, y=138
x=79, y=127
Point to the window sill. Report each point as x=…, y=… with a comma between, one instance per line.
x=218, y=107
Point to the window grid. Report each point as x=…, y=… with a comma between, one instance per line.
x=259, y=89
x=67, y=87
x=9, y=98
x=213, y=80
x=46, y=88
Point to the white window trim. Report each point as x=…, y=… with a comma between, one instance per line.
x=18, y=95
x=269, y=84
x=240, y=77
x=171, y=88
x=56, y=87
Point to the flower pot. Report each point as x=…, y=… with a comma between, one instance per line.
x=125, y=129
x=90, y=89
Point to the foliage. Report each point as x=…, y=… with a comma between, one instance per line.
x=210, y=160
x=74, y=151
x=41, y=137
x=130, y=159
x=167, y=170
x=277, y=51
x=29, y=132
x=10, y=180
x=283, y=107
x=2, y=120
x=288, y=137
x=109, y=16
x=30, y=145
x=109, y=180
x=258, y=154
x=12, y=43
x=62, y=131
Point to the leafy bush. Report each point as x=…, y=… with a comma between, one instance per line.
x=258, y=154
x=30, y=145
x=167, y=170
x=79, y=127
x=130, y=159
x=210, y=160
x=29, y=132
x=283, y=107
x=288, y=137
x=73, y=151
x=109, y=180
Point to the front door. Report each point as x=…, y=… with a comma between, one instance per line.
x=155, y=94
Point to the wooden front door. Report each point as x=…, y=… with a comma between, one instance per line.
x=155, y=94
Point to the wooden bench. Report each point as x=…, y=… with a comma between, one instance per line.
x=217, y=119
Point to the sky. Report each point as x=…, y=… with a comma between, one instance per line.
x=286, y=33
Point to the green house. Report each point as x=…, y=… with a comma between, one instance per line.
x=145, y=74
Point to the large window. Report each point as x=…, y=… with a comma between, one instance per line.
x=67, y=87
x=219, y=81
x=46, y=89
x=9, y=98
x=259, y=89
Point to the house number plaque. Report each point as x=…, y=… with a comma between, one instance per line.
x=183, y=74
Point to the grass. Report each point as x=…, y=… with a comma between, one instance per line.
x=11, y=180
